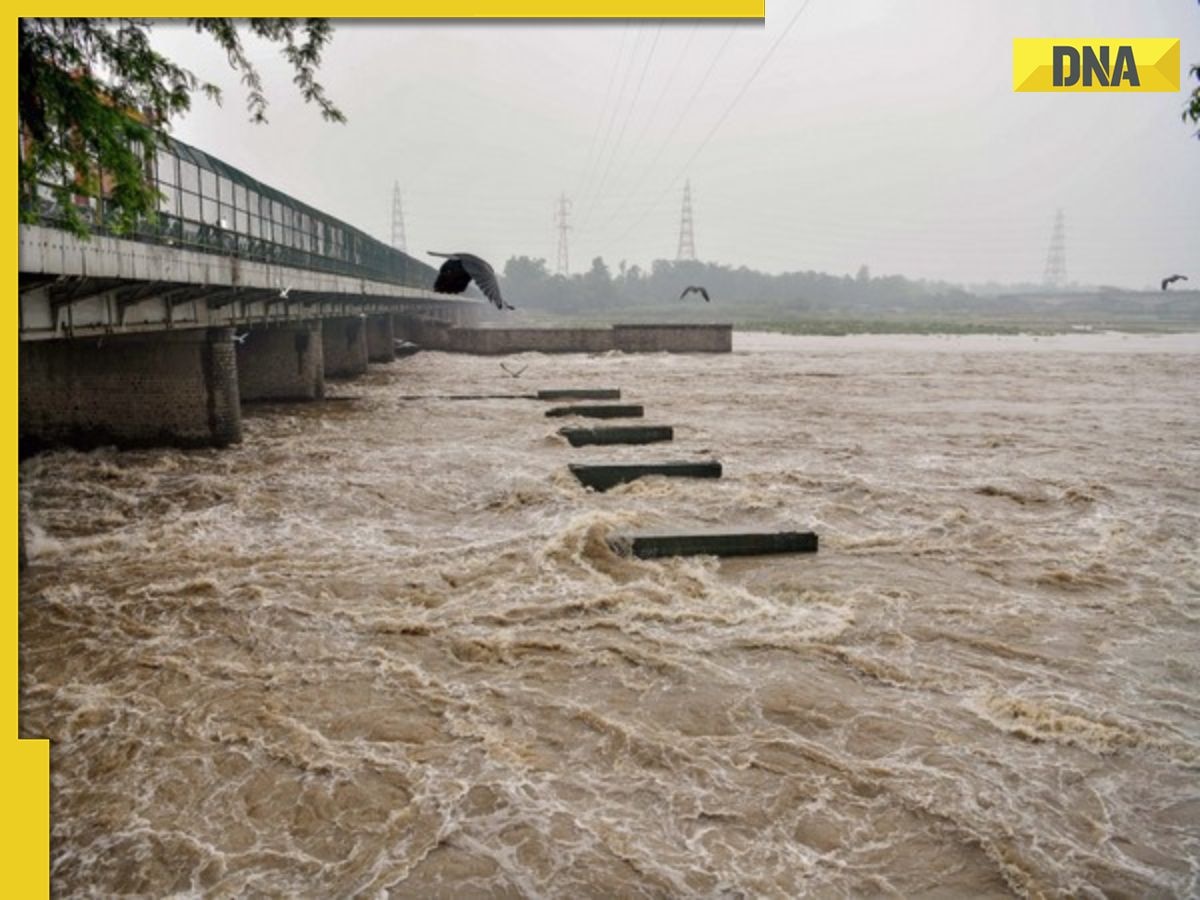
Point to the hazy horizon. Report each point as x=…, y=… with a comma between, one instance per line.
x=825, y=139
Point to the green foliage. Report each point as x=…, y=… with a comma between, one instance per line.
x=1192, y=111
x=820, y=303
x=95, y=100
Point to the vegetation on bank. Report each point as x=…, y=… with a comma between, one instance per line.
x=834, y=327
x=818, y=303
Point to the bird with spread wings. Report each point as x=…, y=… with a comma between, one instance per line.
x=695, y=289
x=460, y=269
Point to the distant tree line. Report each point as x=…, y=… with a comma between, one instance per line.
x=529, y=283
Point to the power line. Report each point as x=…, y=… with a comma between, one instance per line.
x=613, y=112
x=625, y=122
x=612, y=77
x=653, y=116
x=746, y=86
x=678, y=120
x=725, y=115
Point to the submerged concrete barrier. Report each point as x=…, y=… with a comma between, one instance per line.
x=618, y=434
x=603, y=477
x=580, y=394
x=605, y=411
x=730, y=543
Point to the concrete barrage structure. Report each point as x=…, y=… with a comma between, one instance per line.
x=177, y=388
x=381, y=338
x=282, y=363
x=344, y=347
x=624, y=338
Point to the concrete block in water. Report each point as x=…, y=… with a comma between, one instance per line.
x=580, y=394
x=599, y=411
x=618, y=434
x=602, y=477
x=729, y=543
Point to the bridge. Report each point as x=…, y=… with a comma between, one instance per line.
x=234, y=292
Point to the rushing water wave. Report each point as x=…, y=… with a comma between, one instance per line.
x=383, y=648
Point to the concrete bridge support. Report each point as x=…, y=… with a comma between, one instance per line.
x=426, y=333
x=175, y=388
x=381, y=338
x=284, y=362
x=344, y=345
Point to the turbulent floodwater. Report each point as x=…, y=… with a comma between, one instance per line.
x=382, y=647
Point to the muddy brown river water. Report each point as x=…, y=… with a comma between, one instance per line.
x=382, y=648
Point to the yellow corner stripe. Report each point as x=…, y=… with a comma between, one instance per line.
x=513, y=9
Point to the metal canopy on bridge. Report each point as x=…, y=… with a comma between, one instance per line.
x=223, y=249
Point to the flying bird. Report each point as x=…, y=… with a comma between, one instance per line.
x=241, y=338
x=516, y=374
x=1172, y=279
x=460, y=269
x=695, y=289
x=284, y=292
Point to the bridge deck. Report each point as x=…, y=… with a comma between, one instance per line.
x=102, y=285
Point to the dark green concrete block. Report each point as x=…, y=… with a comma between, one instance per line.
x=602, y=477
x=580, y=394
x=599, y=411
x=618, y=434
x=713, y=543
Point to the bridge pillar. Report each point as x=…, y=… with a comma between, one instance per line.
x=174, y=388
x=426, y=333
x=344, y=346
x=284, y=362
x=381, y=338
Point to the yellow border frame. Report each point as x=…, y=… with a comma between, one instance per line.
x=26, y=764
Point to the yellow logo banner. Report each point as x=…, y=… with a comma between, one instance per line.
x=1095, y=64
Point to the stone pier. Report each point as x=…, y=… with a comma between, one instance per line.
x=284, y=362
x=344, y=345
x=425, y=332
x=176, y=388
x=381, y=338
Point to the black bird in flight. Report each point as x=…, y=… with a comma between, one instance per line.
x=460, y=269
x=693, y=288
x=1172, y=279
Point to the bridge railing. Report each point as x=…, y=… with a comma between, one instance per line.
x=208, y=205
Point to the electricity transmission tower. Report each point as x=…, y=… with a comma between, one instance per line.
x=560, y=222
x=687, y=240
x=398, y=239
x=1055, y=275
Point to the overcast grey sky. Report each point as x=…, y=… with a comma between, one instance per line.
x=883, y=132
